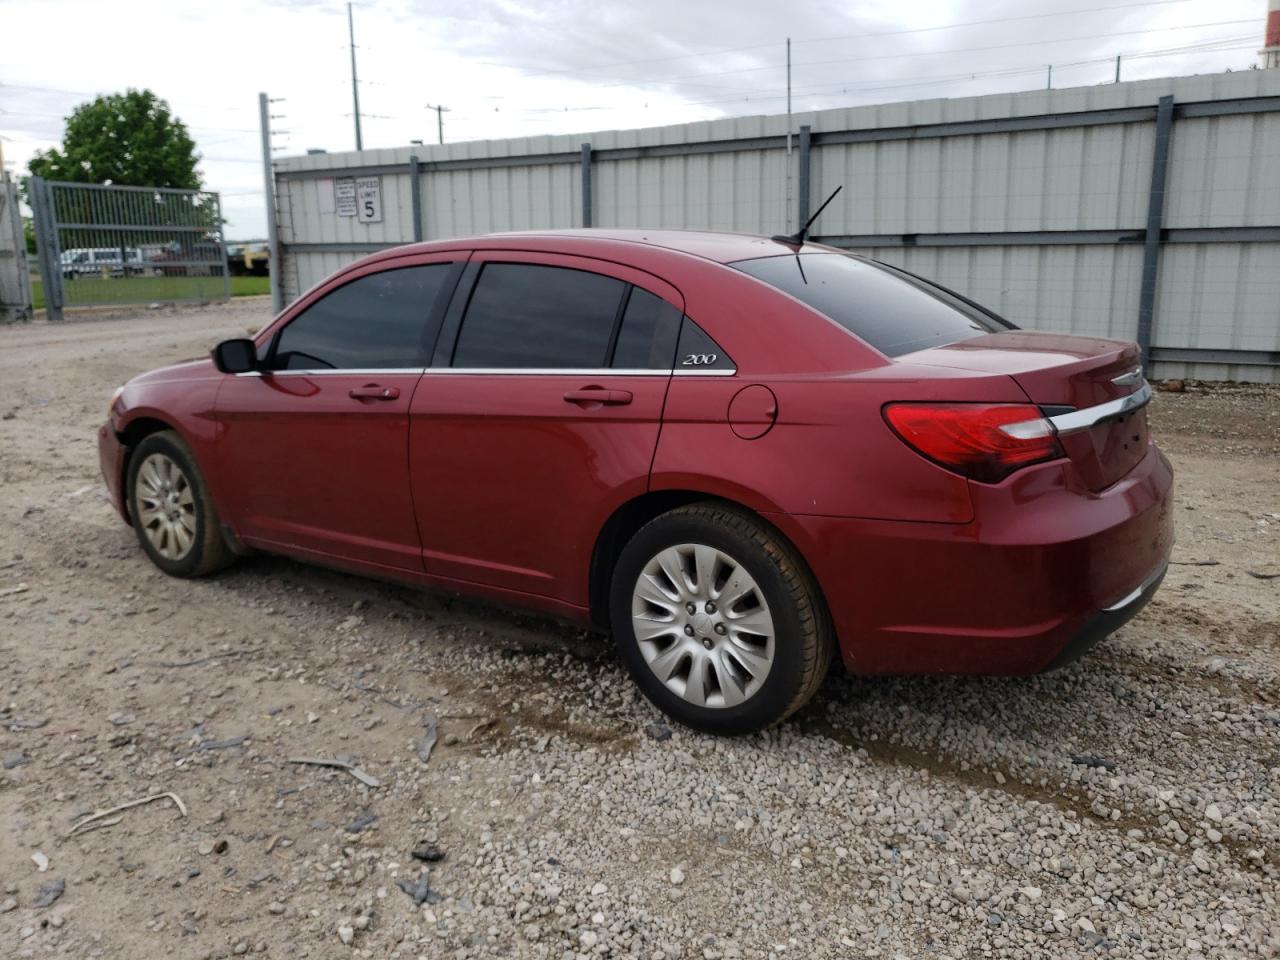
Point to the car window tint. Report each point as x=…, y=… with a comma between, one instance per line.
x=697, y=351
x=893, y=312
x=647, y=338
x=377, y=321
x=530, y=316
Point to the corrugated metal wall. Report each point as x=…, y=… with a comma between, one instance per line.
x=1035, y=204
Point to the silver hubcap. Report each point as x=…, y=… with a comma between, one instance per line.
x=703, y=625
x=166, y=506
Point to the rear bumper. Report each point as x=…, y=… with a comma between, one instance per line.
x=1108, y=620
x=111, y=460
x=1044, y=571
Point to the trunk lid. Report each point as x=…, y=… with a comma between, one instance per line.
x=1061, y=373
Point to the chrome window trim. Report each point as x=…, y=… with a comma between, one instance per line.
x=549, y=371
x=1091, y=416
x=328, y=372
x=506, y=371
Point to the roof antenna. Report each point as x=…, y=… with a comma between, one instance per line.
x=797, y=239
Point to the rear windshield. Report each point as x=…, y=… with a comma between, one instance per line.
x=893, y=311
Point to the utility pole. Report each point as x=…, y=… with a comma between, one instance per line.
x=1048, y=84
x=1117, y=68
x=355, y=85
x=440, y=112
x=274, y=264
x=787, y=201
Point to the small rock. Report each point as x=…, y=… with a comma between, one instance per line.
x=40, y=860
x=1212, y=812
x=120, y=719
x=26, y=933
x=9, y=904
x=427, y=852
x=588, y=939
x=419, y=890
x=1097, y=763
x=49, y=892
x=241, y=948
x=599, y=890
x=346, y=934
x=361, y=822
x=204, y=847
x=1031, y=893
x=276, y=908
x=1174, y=386
x=658, y=731
x=14, y=758
x=677, y=876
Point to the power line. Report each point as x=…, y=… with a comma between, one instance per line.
x=852, y=36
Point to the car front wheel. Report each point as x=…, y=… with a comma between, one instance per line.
x=718, y=620
x=172, y=512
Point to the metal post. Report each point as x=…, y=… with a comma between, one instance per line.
x=1117, y=68
x=1048, y=83
x=222, y=250
x=40, y=197
x=415, y=193
x=1155, y=223
x=275, y=264
x=586, y=184
x=806, y=146
x=355, y=85
x=787, y=199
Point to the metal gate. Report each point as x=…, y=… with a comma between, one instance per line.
x=117, y=245
x=15, y=284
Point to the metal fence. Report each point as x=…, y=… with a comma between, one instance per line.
x=1144, y=210
x=118, y=245
x=15, y=284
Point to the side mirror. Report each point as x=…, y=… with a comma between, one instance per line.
x=236, y=356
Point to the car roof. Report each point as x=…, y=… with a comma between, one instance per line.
x=706, y=244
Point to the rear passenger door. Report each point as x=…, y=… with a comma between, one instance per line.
x=538, y=417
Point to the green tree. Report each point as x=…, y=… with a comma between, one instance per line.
x=131, y=139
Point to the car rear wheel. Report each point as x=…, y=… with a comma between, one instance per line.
x=718, y=620
x=172, y=512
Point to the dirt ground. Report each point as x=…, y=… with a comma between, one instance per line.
x=1128, y=806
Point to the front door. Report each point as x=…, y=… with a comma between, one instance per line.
x=539, y=416
x=315, y=447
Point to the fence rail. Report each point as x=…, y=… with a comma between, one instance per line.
x=1147, y=210
x=106, y=244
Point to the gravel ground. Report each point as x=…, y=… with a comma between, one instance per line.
x=1126, y=807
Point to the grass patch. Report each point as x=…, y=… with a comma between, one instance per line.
x=92, y=290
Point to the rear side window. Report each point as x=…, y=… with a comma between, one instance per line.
x=375, y=322
x=892, y=311
x=647, y=337
x=527, y=316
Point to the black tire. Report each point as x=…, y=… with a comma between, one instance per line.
x=207, y=551
x=804, y=639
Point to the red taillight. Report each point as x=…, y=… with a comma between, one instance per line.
x=983, y=441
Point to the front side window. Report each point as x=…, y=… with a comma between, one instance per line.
x=529, y=316
x=375, y=322
x=893, y=311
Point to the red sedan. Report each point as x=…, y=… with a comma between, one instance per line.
x=738, y=454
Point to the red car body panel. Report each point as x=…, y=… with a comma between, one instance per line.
x=493, y=483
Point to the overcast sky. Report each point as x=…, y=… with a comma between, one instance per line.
x=516, y=68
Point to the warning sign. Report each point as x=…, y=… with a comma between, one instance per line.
x=344, y=196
